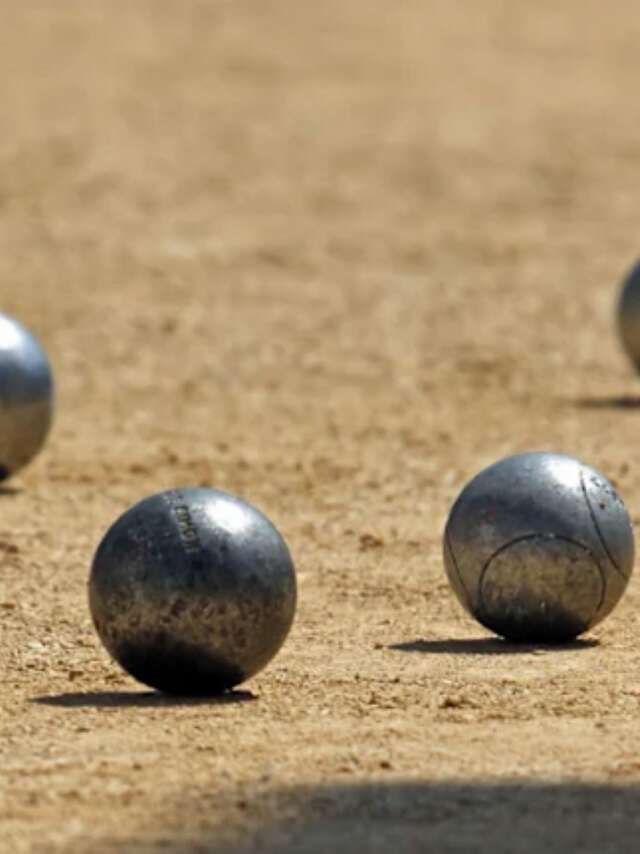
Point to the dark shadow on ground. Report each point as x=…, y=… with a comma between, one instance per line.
x=138, y=699
x=413, y=817
x=488, y=646
x=625, y=401
x=9, y=491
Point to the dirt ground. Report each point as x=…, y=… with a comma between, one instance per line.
x=334, y=258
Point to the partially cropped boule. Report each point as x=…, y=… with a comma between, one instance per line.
x=26, y=396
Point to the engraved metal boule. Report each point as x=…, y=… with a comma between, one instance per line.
x=26, y=396
x=539, y=547
x=192, y=591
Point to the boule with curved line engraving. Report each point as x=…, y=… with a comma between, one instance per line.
x=26, y=396
x=539, y=547
x=192, y=591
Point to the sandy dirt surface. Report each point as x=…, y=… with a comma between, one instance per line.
x=334, y=258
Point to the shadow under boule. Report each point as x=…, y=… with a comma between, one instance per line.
x=138, y=699
x=624, y=401
x=489, y=646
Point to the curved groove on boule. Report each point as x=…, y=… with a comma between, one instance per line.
x=594, y=520
x=463, y=587
x=540, y=536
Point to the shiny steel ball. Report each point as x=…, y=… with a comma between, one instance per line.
x=192, y=591
x=629, y=315
x=539, y=547
x=26, y=396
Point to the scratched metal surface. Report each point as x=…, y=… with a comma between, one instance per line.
x=192, y=591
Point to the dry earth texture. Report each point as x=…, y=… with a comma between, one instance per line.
x=335, y=258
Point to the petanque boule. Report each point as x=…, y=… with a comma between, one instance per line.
x=629, y=315
x=192, y=591
x=26, y=396
x=539, y=547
